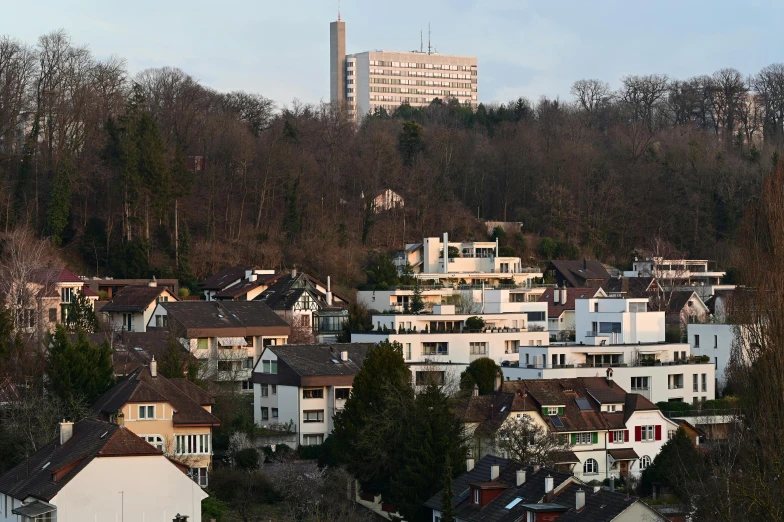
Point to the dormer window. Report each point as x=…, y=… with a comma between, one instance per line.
x=476, y=496
x=552, y=410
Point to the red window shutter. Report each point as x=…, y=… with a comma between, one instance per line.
x=611, y=434
x=638, y=433
x=626, y=435
x=658, y=432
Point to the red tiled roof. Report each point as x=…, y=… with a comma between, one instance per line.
x=54, y=275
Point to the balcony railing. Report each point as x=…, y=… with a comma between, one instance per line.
x=604, y=365
x=417, y=332
x=698, y=412
x=675, y=386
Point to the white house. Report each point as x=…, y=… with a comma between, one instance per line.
x=98, y=471
x=715, y=341
x=680, y=273
x=132, y=308
x=440, y=345
x=622, y=334
x=305, y=385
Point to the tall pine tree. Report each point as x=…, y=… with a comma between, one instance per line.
x=448, y=496
x=78, y=370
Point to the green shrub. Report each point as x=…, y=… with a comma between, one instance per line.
x=474, y=323
x=247, y=459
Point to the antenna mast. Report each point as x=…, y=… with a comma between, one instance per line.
x=428, y=38
x=421, y=42
x=338, y=10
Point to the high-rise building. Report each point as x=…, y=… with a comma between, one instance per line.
x=386, y=79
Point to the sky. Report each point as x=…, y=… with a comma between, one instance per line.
x=525, y=48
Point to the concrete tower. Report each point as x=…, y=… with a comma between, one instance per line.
x=337, y=61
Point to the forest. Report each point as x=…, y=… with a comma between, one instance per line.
x=152, y=173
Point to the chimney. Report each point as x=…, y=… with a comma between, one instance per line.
x=520, y=477
x=66, y=432
x=612, y=483
x=153, y=282
x=329, y=292
x=344, y=355
x=154, y=367
x=495, y=470
x=498, y=381
x=469, y=464
x=609, y=377
x=548, y=484
x=537, y=467
x=596, y=489
x=563, y=295
x=294, y=272
x=579, y=500
x=446, y=253
x=557, y=295
x=476, y=391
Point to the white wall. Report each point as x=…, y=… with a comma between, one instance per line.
x=154, y=489
x=715, y=341
x=636, y=327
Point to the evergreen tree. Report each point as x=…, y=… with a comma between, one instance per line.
x=292, y=221
x=59, y=209
x=481, y=372
x=81, y=315
x=78, y=370
x=417, y=303
x=370, y=432
x=448, y=496
x=381, y=271
x=410, y=141
x=172, y=365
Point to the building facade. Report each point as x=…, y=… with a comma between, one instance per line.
x=367, y=81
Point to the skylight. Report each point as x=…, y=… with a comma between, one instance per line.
x=46, y=465
x=514, y=503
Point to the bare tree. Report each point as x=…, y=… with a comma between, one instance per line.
x=728, y=92
x=642, y=97
x=769, y=85
x=524, y=440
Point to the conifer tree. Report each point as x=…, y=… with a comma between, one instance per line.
x=81, y=315
x=447, y=497
x=417, y=303
x=78, y=370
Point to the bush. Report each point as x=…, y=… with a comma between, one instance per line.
x=474, y=323
x=506, y=251
x=679, y=407
x=184, y=292
x=213, y=508
x=247, y=459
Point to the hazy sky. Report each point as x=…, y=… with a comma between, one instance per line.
x=530, y=48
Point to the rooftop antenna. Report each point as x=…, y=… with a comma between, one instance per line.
x=421, y=42
x=338, y=10
x=428, y=38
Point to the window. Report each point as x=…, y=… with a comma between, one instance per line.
x=274, y=389
x=264, y=390
x=146, y=412
x=248, y=363
x=596, y=307
x=582, y=438
x=342, y=394
x=696, y=341
x=313, y=393
x=269, y=367
x=313, y=416
x=535, y=316
x=430, y=377
x=127, y=322
x=247, y=385
x=202, y=344
x=694, y=383
x=199, y=476
x=638, y=307
x=435, y=348
x=162, y=299
x=476, y=496
x=552, y=410
x=264, y=413
x=67, y=295
x=609, y=327
x=704, y=382
x=590, y=467
x=618, y=436
x=639, y=383
x=161, y=321
x=648, y=433
x=274, y=413
x=478, y=348
x=53, y=315
x=312, y=439
x=408, y=351
x=715, y=341
x=645, y=461
x=192, y=444
x=154, y=440
x=228, y=366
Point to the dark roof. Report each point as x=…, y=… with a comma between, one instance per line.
x=636, y=402
x=225, y=277
x=222, y=314
x=679, y=300
x=603, y=393
x=489, y=411
x=141, y=386
x=630, y=286
x=623, y=454
x=532, y=491
x=91, y=438
x=319, y=359
x=132, y=350
x=600, y=506
x=287, y=289
x=556, y=309
x=134, y=299
x=54, y=275
x=579, y=272
x=243, y=288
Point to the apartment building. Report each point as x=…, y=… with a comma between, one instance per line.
x=715, y=341
x=366, y=81
x=440, y=345
x=609, y=431
x=226, y=336
x=305, y=385
x=173, y=415
x=97, y=470
x=623, y=337
x=680, y=273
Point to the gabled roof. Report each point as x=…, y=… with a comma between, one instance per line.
x=490, y=411
x=600, y=506
x=198, y=316
x=555, y=309
x=630, y=286
x=91, y=438
x=134, y=299
x=679, y=299
x=54, y=275
x=284, y=293
x=140, y=386
x=322, y=359
x=132, y=350
x=225, y=277
x=636, y=402
x=579, y=272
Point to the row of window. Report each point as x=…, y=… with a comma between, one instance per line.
x=411, y=90
x=697, y=341
x=422, y=83
x=341, y=394
x=591, y=467
x=414, y=65
x=192, y=444
x=265, y=413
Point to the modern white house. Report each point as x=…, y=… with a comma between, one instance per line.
x=132, y=309
x=97, y=470
x=714, y=340
x=622, y=335
x=303, y=386
x=680, y=273
x=440, y=345
x=609, y=431
x=561, y=308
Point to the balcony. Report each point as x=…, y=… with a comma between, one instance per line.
x=675, y=386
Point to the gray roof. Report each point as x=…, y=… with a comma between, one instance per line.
x=319, y=359
x=222, y=314
x=134, y=299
